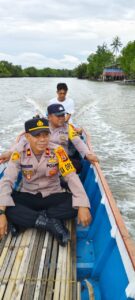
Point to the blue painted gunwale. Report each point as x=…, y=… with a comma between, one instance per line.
x=105, y=251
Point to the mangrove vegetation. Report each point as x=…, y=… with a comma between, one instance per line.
x=92, y=69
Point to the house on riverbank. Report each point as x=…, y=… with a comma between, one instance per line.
x=113, y=72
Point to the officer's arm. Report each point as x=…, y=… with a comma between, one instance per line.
x=67, y=117
x=3, y=223
x=7, y=182
x=79, y=197
x=80, y=145
x=5, y=156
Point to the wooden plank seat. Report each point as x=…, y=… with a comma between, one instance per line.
x=34, y=266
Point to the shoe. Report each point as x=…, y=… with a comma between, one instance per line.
x=66, y=230
x=62, y=228
x=54, y=226
x=13, y=229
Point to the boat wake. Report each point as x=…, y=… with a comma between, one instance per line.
x=117, y=158
x=36, y=106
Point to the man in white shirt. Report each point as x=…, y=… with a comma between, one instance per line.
x=61, y=98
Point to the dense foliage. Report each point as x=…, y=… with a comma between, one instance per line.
x=127, y=59
x=9, y=70
x=96, y=63
x=92, y=69
x=104, y=57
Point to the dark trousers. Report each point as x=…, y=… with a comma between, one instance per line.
x=28, y=206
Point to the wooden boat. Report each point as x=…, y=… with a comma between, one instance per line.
x=98, y=264
x=127, y=82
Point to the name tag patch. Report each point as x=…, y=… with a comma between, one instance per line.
x=26, y=166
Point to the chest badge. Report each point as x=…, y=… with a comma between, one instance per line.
x=63, y=138
x=28, y=174
x=53, y=172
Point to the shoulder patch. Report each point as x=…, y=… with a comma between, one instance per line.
x=65, y=165
x=15, y=156
x=72, y=133
x=61, y=154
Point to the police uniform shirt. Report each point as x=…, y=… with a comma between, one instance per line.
x=62, y=134
x=41, y=176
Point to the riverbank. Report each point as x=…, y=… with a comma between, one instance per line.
x=126, y=82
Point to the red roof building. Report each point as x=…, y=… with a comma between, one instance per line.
x=113, y=72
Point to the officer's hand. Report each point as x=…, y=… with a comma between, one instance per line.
x=5, y=157
x=84, y=216
x=92, y=158
x=79, y=130
x=3, y=226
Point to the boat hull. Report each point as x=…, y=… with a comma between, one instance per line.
x=105, y=253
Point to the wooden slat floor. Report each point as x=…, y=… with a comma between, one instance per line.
x=34, y=267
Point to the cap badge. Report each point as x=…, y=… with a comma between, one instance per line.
x=40, y=123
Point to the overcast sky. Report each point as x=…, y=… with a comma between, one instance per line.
x=61, y=34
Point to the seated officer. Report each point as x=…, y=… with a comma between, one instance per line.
x=61, y=134
x=41, y=203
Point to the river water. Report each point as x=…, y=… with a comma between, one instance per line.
x=106, y=110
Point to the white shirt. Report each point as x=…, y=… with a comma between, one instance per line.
x=68, y=104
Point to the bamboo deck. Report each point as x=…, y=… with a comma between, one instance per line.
x=34, y=267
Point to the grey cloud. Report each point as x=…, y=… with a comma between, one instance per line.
x=52, y=28
x=39, y=10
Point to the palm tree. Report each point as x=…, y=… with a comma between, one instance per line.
x=116, y=44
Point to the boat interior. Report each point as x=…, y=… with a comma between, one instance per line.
x=96, y=264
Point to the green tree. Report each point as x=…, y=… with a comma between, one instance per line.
x=81, y=71
x=9, y=70
x=31, y=72
x=17, y=71
x=127, y=59
x=116, y=45
x=97, y=61
x=4, y=71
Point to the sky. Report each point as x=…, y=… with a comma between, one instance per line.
x=61, y=34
